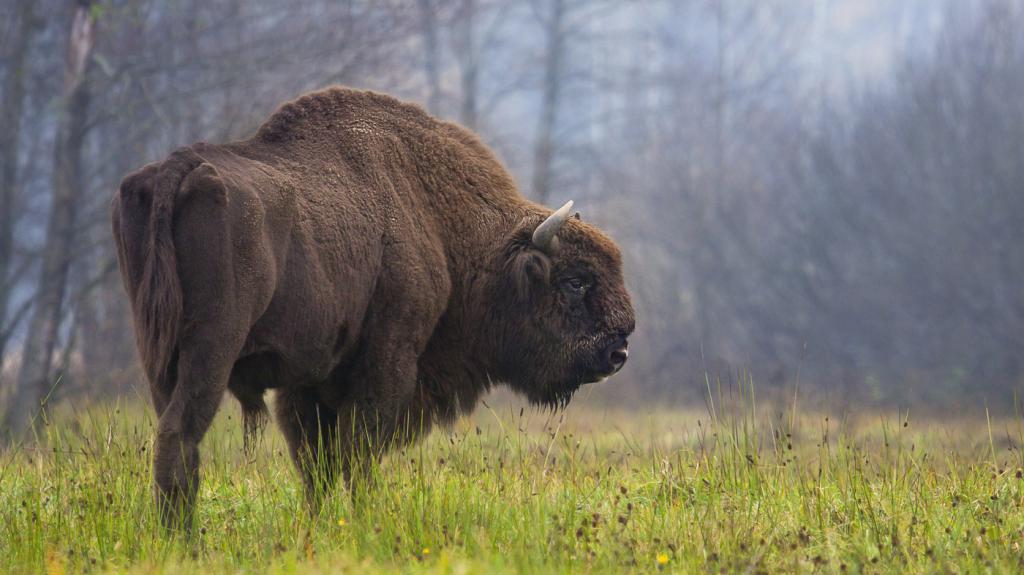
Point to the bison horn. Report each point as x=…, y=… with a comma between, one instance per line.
x=545, y=236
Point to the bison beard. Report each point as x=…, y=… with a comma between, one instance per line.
x=375, y=266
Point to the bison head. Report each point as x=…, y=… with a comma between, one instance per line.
x=563, y=313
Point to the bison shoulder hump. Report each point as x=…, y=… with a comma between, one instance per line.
x=324, y=110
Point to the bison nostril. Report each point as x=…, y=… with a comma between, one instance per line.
x=618, y=358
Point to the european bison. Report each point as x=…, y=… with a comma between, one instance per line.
x=374, y=265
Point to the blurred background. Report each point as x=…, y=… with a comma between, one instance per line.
x=823, y=192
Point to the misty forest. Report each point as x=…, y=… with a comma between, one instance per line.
x=824, y=194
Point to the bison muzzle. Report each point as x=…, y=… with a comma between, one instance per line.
x=375, y=266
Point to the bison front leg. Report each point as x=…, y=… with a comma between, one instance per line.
x=388, y=414
x=378, y=400
x=310, y=428
x=326, y=442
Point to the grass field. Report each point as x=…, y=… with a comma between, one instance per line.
x=744, y=489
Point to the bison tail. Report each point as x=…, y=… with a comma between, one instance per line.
x=158, y=300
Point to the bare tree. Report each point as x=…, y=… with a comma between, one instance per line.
x=10, y=126
x=34, y=379
x=431, y=53
x=551, y=91
x=469, y=63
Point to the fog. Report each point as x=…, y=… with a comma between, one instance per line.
x=825, y=192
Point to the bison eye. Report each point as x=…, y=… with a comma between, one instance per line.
x=576, y=286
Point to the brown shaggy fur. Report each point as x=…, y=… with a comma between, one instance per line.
x=372, y=264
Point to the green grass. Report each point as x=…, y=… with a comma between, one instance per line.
x=590, y=489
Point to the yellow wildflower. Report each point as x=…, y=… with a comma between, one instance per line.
x=342, y=522
x=426, y=550
x=662, y=558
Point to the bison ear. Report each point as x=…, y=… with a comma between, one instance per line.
x=528, y=269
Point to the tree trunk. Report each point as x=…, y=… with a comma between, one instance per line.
x=10, y=127
x=470, y=65
x=431, y=57
x=543, y=157
x=34, y=379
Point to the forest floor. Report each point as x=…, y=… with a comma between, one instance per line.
x=743, y=488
